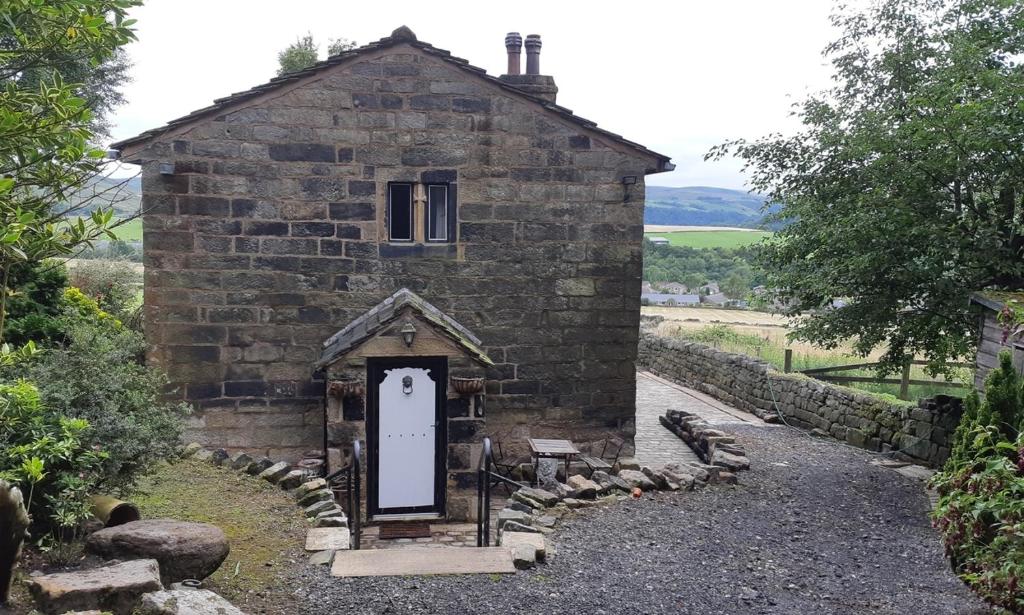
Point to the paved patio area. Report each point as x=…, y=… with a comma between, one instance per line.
x=656, y=445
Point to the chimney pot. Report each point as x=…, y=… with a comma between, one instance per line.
x=514, y=45
x=533, y=54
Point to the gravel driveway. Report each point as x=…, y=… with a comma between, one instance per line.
x=813, y=528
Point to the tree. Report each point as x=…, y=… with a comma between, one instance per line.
x=904, y=189
x=46, y=127
x=304, y=52
x=737, y=284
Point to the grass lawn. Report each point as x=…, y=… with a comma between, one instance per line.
x=265, y=529
x=712, y=239
x=130, y=230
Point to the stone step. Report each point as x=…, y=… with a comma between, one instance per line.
x=422, y=560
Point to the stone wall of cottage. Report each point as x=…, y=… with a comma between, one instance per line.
x=269, y=237
x=919, y=432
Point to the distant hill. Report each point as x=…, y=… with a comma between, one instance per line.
x=124, y=195
x=691, y=205
x=702, y=206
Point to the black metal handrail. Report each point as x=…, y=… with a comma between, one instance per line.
x=484, y=478
x=353, y=478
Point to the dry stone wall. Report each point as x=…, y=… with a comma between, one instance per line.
x=918, y=432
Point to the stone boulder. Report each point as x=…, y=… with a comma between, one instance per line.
x=628, y=463
x=258, y=466
x=292, y=479
x=636, y=478
x=317, y=484
x=539, y=495
x=582, y=487
x=185, y=550
x=730, y=461
x=536, y=542
x=115, y=588
x=684, y=480
x=186, y=602
x=507, y=515
x=276, y=472
x=656, y=477
x=609, y=482
x=239, y=461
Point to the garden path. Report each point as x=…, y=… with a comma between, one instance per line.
x=814, y=527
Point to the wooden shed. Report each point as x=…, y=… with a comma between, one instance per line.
x=991, y=334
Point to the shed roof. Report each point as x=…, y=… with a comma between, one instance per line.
x=402, y=35
x=387, y=311
x=996, y=299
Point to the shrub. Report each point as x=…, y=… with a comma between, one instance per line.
x=98, y=375
x=50, y=456
x=981, y=506
x=34, y=307
x=113, y=284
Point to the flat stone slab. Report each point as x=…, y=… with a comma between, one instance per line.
x=186, y=602
x=327, y=539
x=420, y=561
x=113, y=588
x=514, y=540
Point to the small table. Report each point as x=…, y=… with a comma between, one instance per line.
x=551, y=449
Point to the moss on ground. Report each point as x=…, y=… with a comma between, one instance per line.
x=265, y=528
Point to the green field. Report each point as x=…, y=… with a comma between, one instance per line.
x=712, y=239
x=130, y=230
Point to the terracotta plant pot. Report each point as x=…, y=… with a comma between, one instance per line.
x=346, y=388
x=468, y=386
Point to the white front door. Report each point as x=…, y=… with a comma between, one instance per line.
x=407, y=451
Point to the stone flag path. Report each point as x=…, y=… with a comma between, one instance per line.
x=656, y=445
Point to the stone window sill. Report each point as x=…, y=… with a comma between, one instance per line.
x=418, y=250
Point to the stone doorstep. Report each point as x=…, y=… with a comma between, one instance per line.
x=422, y=560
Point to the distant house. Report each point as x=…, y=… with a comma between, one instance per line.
x=645, y=287
x=658, y=241
x=674, y=288
x=990, y=333
x=716, y=298
x=669, y=299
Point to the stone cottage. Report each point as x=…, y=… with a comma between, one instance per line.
x=394, y=246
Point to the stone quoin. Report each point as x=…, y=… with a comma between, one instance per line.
x=325, y=251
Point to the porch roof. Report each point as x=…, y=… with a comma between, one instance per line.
x=386, y=312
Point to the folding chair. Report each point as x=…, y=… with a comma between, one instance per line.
x=600, y=462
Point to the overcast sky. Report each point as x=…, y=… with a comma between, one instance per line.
x=677, y=76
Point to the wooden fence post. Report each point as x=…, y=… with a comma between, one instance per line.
x=905, y=382
x=788, y=361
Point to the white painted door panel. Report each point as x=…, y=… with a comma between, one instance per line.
x=407, y=442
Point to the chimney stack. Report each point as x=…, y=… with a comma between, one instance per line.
x=532, y=54
x=533, y=83
x=514, y=46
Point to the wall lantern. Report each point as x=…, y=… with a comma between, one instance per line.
x=627, y=181
x=408, y=334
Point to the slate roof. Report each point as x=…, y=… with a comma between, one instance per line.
x=384, y=313
x=399, y=36
x=662, y=298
